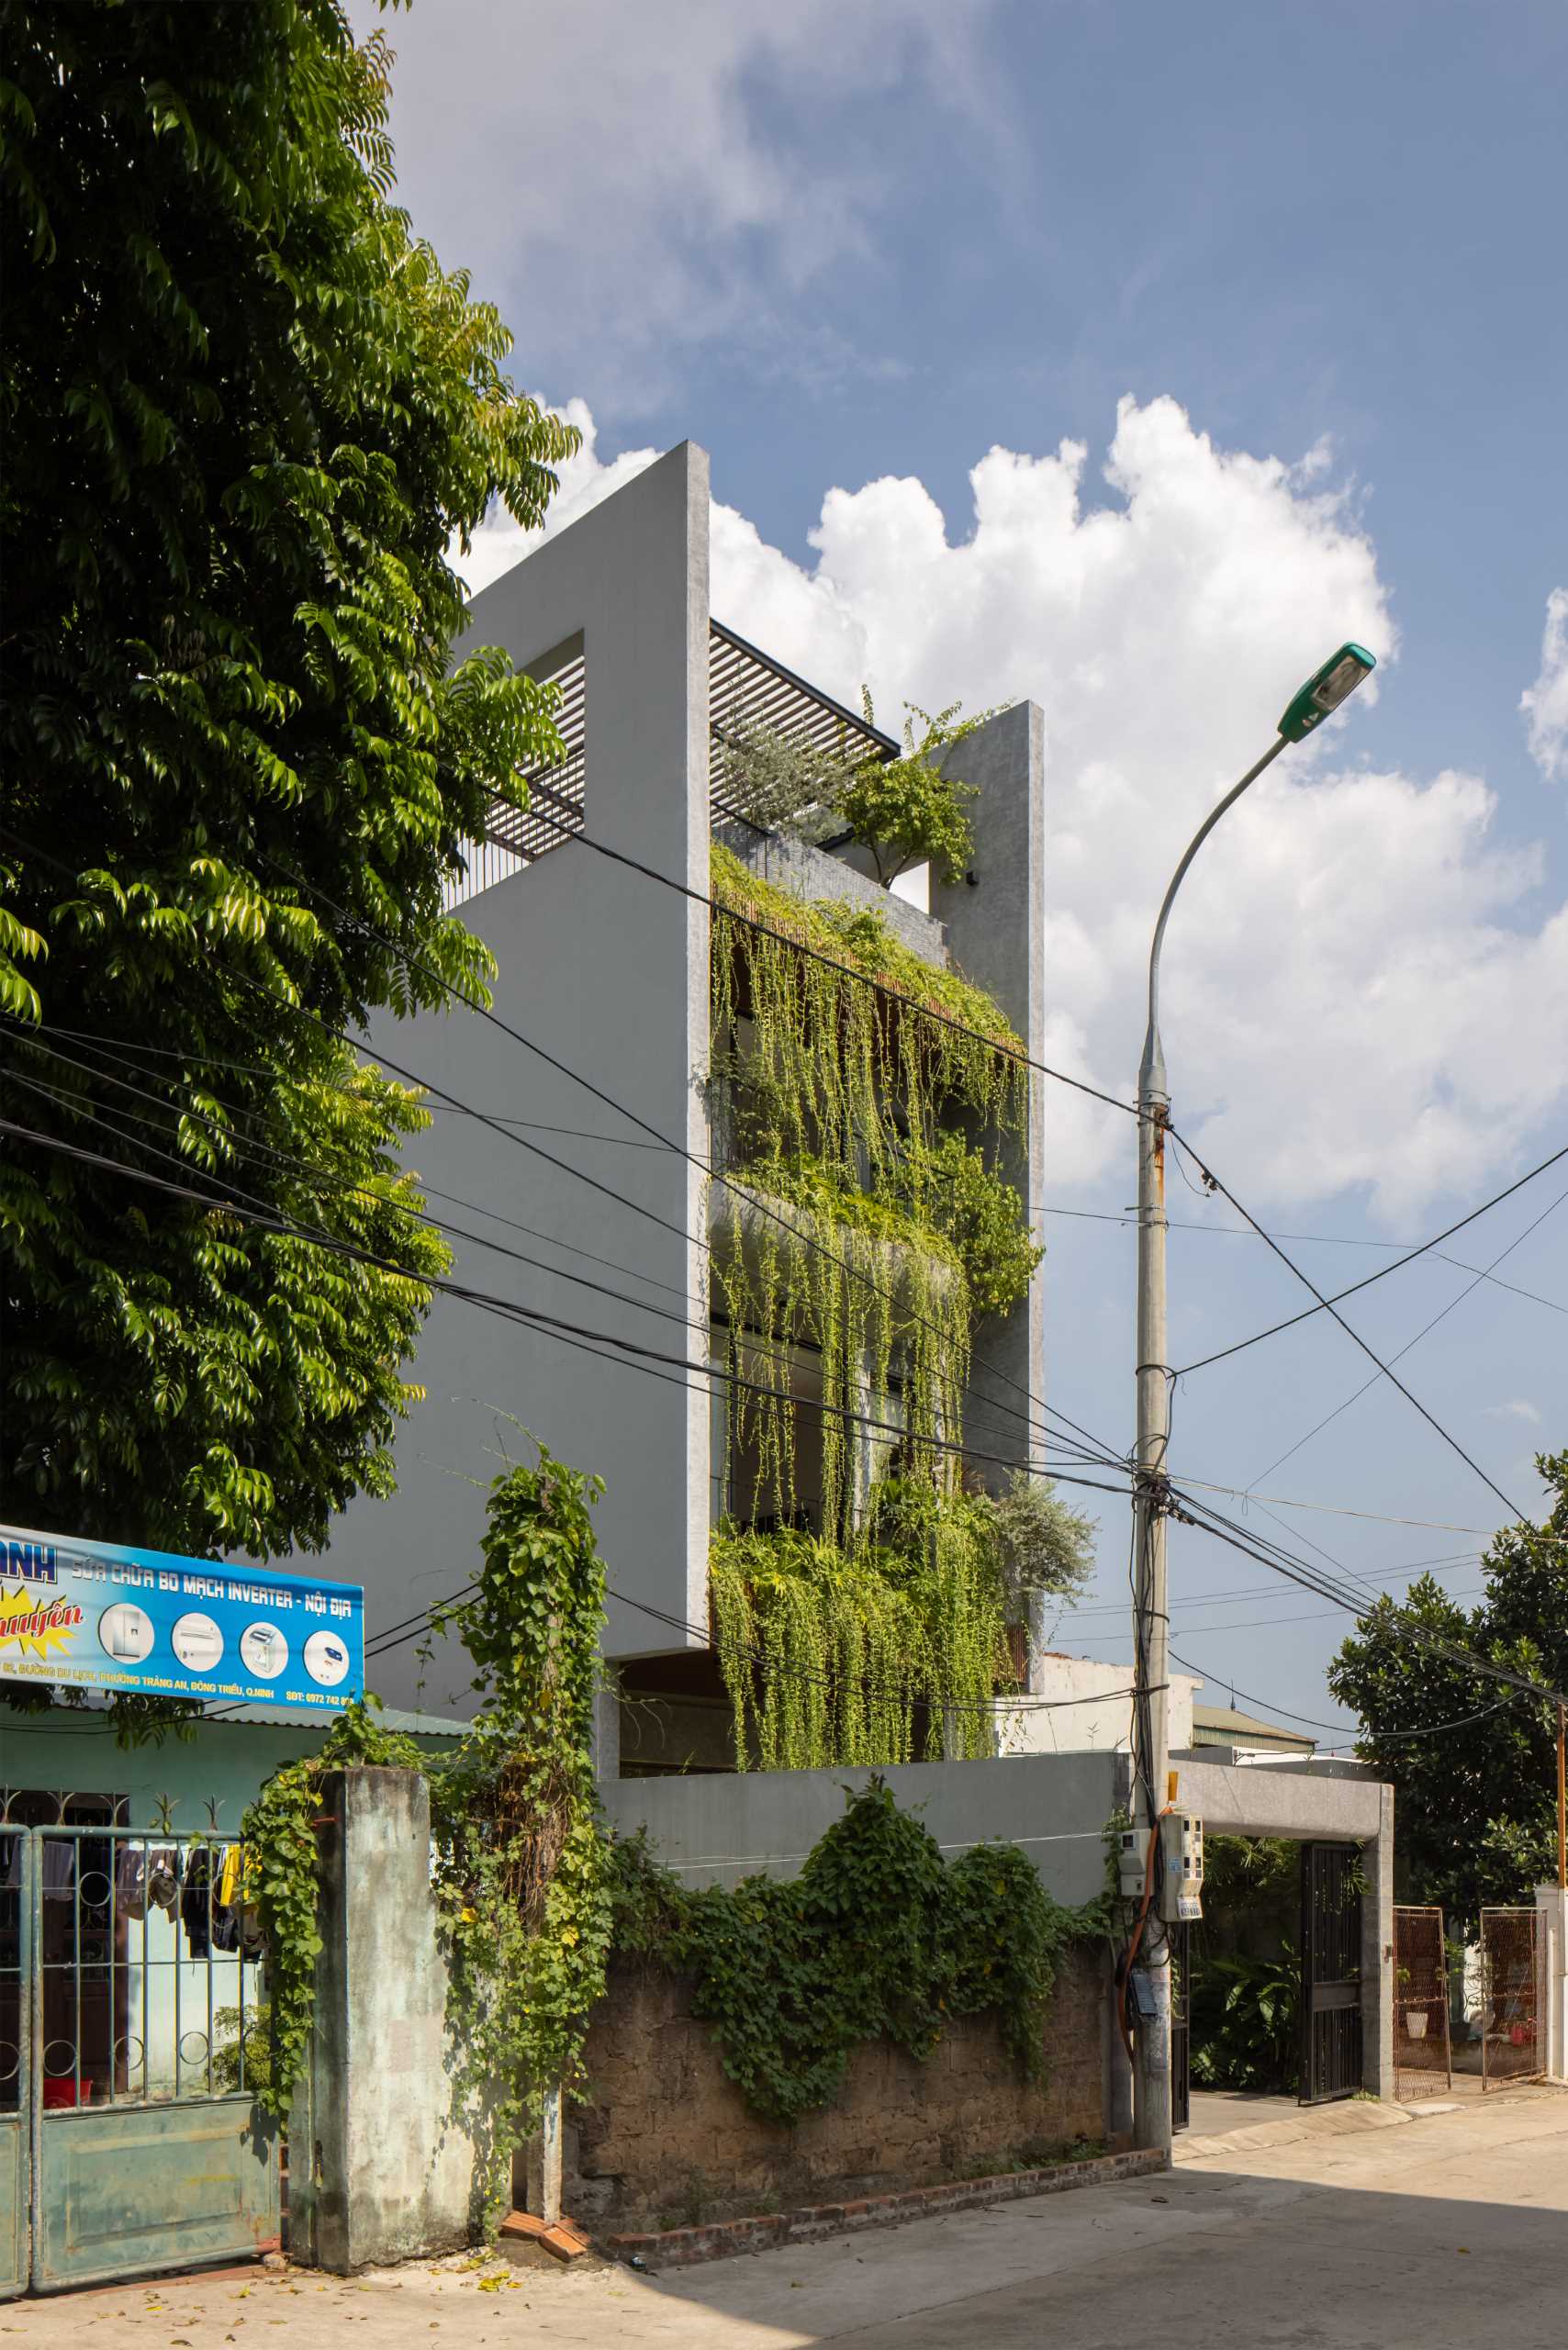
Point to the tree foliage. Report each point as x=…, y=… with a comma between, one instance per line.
x=1476, y=1814
x=910, y=810
x=903, y=811
x=245, y=412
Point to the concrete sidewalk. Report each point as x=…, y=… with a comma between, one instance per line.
x=1442, y=2232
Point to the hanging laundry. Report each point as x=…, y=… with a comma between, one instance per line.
x=195, y=1902
x=59, y=1868
x=162, y=1881
x=130, y=1881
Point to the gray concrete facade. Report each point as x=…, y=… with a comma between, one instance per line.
x=606, y=976
x=994, y=922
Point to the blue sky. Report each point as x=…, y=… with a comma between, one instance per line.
x=851, y=252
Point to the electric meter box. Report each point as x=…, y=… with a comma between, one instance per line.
x=1132, y=1862
x=1181, y=1850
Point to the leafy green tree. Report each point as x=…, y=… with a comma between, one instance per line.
x=911, y=810
x=246, y=412
x=1476, y=1812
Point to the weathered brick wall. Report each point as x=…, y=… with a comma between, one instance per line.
x=670, y=2139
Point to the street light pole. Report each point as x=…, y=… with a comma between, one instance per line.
x=1151, y=1622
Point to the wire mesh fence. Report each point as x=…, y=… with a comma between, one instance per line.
x=1423, y=2060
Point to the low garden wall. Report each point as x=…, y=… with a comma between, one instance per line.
x=668, y=2140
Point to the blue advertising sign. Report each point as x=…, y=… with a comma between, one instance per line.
x=106, y=1616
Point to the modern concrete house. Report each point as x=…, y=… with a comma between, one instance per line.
x=590, y=1155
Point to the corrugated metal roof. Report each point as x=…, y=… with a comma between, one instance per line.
x=1223, y=1726
x=280, y=1718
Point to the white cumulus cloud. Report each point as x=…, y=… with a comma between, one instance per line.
x=1545, y=703
x=1516, y=1409
x=1363, y=993
x=677, y=174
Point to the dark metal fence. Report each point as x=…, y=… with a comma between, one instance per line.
x=1513, y=1964
x=1422, y=2059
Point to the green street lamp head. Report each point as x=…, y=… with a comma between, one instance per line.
x=1323, y=693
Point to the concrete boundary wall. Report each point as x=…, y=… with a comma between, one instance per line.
x=379, y=2170
x=713, y=1829
x=1551, y=1901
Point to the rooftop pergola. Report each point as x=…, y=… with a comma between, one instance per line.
x=747, y=690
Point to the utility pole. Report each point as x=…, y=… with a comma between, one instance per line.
x=1323, y=693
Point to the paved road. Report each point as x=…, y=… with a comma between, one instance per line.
x=1360, y=2233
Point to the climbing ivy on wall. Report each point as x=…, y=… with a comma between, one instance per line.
x=846, y=1071
x=877, y=1938
x=521, y=1879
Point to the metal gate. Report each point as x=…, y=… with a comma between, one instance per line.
x=1331, y=1972
x=130, y=1998
x=1181, y=2028
x=1423, y=2060
x=1512, y=1967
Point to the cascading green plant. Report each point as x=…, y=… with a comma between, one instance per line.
x=848, y=1075
x=888, y=1650
x=859, y=1228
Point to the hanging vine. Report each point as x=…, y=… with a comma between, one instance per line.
x=843, y=1071
x=874, y=1228
x=891, y=1649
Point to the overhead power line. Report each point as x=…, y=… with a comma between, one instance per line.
x=734, y=1183
x=1357, y=1603
x=1442, y=1315
x=1329, y=1306
x=848, y=970
x=608, y=1346
x=1314, y=1239
x=1105, y=1453
x=606, y=1343
x=1434, y=1729
x=982, y=1412
x=1326, y=1304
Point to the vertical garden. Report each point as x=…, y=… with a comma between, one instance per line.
x=862, y=1584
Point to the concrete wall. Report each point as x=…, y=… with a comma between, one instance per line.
x=668, y=2140
x=1074, y=1703
x=808, y=872
x=608, y=972
x=995, y=926
x=711, y=1831
x=382, y=2171
x=1552, y=1903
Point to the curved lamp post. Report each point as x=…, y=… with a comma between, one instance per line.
x=1321, y=695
